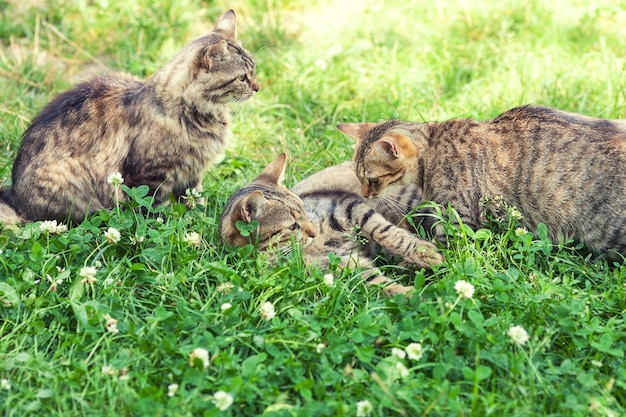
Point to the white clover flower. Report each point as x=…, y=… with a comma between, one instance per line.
x=267, y=311
x=192, y=197
x=225, y=306
x=192, y=193
x=5, y=384
x=414, y=351
x=400, y=371
x=112, y=235
x=225, y=288
x=172, y=389
x=518, y=335
x=52, y=227
x=520, y=231
x=464, y=288
x=398, y=353
x=596, y=363
x=54, y=282
x=108, y=370
x=329, y=280
x=160, y=220
x=201, y=354
x=515, y=214
x=222, y=400
x=111, y=324
x=135, y=240
x=48, y=226
x=320, y=347
x=193, y=239
x=364, y=408
x=115, y=179
x=108, y=282
x=88, y=273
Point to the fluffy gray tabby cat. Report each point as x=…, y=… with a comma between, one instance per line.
x=162, y=131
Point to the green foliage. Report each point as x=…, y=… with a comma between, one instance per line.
x=96, y=323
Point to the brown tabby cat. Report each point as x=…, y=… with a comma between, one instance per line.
x=562, y=169
x=326, y=215
x=162, y=132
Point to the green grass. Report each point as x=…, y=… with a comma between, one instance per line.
x=319, y=63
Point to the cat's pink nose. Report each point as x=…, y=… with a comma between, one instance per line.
x=255, y=85
x=365, y=192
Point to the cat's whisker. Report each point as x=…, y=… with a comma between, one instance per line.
x=391, y=205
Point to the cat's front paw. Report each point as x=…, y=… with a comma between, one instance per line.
x=425, y=256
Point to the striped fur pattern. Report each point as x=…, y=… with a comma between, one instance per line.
x=561, y=169
x=162, y=131
x=328, y=215
x=280, y=213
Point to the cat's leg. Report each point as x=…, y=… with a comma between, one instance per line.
x=410, y=247
x=370, y=274
x=374, y=277
x=396, y=240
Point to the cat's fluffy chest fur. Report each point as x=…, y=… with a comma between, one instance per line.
x=162, y=131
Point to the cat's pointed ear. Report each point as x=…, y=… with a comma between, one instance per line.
x=252, y=206
x=215, y=52
x=274, y=173
x=388, y=145
x=355, y=130
x=227, y=25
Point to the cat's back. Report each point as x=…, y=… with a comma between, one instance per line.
x=538, y=122
x=85, y=100
x=566, y=172
x=69, y=121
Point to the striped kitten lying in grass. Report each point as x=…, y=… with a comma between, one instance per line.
x=326, y=214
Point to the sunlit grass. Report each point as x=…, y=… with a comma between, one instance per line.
x=131, y=339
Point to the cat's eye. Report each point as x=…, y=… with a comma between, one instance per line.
x=243, y=77
x=373, y=180
x=294, y=226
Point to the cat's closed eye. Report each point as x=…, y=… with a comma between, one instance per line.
x=373, y=180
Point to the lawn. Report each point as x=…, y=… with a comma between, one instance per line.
x=167, y=321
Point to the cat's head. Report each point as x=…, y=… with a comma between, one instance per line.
x=220, y=70
x=386, y=154
x=278, y=212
